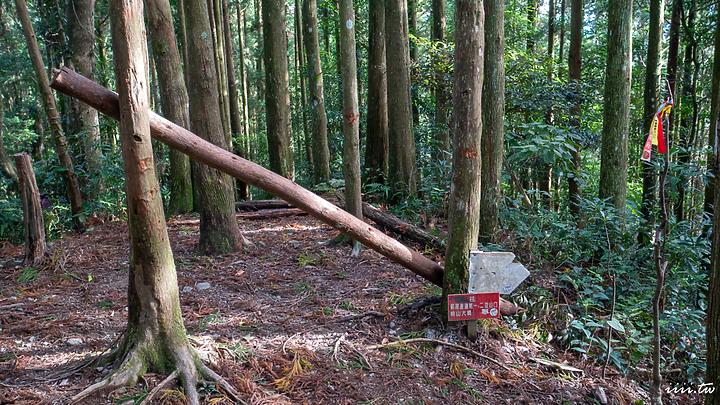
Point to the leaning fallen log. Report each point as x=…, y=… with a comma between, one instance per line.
x=392, y=223
x=257, y=205
x=106, y=101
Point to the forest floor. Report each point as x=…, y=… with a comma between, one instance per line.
x=289, y=320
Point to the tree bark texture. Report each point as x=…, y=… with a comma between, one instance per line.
x=301, y=72
x=464, y=205
x=32, y=211
x=392, y=223
x=72, y=186
x=83, y=125
x=351, y=111
x=277, y=91
x=402, y=161
x=216, y=24
x=173, y=98
x=713, y=166
x=712, y=325
x=575, y=76
x=236, y=123
x=442, y=131
x=493, y=119
x=651, y=101
x=376, y=144
x=214, y=190
x=244, y=91
x=616, y=114
x=155, y=338
x=318, y=117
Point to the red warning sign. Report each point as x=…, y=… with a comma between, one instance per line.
x=465, y=307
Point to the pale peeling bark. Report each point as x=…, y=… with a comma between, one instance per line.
x=616, y=114
x=493, y=115
x=318, y=116
x=376, y=146
x=464, y=205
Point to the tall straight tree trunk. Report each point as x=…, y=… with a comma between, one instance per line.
x=301, y=71
x=35, y=246
x=376, y=147
x=83, y=120
x=687, y=128
x=277, y=92
x=546, y=171
x=651, y=101
x=182, y=38
x=561, y=50
x=174, y=98
x=467, y=130
x=219, y=232
x=155, y=339
x=216, y=23
x=6, y=164
x=439, y=12
x=575, y=76
x=493, y=119
x=712, y=325
x=236, y=126
x=72, y=186
x=351, y=113
x=413, y=31
x=245, y=89
x=402, y=161
x=318, y=117
x=616, y=114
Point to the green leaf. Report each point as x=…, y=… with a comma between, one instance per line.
x=615, y=324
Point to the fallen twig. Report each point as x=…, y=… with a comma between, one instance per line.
x=360, y=316
x=439, y=342
x=162, y=384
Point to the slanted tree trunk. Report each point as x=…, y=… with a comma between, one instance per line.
x=376, y=145
x=83, y=120
x=72, y=186
x=351, y=113
x=493, y=119
x=277, y=92
x=616, y=114
x=6, y=164
x=219, y=232
x=402, y=161
x=712, y=323
x=32, y=211
x=651, y=101
x=467, y=130
x=442, y=131
x=318, y=117
x=173, y=98
x=575, y=76
x=155, y=338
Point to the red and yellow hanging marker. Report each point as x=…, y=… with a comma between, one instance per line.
x=656, y=131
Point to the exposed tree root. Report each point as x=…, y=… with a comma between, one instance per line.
x=188, y=368
x=160, y=386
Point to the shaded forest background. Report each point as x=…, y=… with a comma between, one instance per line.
x=554, y=207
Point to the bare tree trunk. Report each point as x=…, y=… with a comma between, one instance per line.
x=71, y=183
x=301, y=70
x=245, y=92
x=546, y=171
x=439, y=11
x=402, y=160
x=351, y=113
x=493, y=119
x=376, y=146
x=318, y=117
x=236, y=125
x=616, y=114
x=174, y=98
x=575, y=70
x=83, y=120
x=215, y=195
x=651, y=101
x=467, y=131
x=32, y=211
x=561, y=50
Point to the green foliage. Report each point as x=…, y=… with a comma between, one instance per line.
x=28, y=275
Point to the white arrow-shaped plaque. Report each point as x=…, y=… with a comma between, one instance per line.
x=495, y=272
